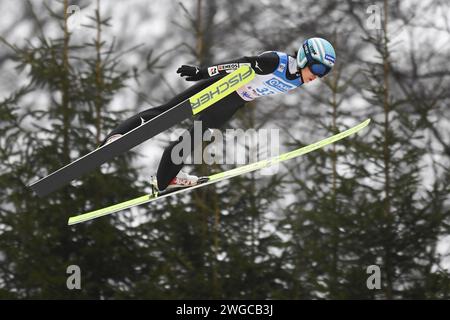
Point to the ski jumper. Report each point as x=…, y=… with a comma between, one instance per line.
x=276, y=72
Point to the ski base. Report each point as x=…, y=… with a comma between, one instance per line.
x=184, y=110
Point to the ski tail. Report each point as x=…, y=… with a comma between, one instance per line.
x=163, y=121
x=111, y=209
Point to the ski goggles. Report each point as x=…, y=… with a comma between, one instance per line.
x=317, y=68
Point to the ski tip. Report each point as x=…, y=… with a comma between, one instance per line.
x=363, y=124
x=366, y=123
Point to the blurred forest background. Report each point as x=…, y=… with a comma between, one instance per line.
x=310, y=232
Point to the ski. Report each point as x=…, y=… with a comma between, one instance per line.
x=219, y=176
x=184, y=110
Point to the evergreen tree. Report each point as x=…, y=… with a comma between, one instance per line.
x=399, y=224
x=38, y=244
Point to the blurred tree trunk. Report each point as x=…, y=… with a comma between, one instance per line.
x=387, y=156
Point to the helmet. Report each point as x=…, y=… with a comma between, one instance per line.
x=318, y=54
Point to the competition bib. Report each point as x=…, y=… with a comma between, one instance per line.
x=269, y=84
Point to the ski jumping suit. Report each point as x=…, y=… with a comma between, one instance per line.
x=276, y=72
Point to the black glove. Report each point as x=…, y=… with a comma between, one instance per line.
x=192, y=73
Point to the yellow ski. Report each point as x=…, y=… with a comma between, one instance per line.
x=220, y=176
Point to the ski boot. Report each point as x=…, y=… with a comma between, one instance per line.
x=181, y=181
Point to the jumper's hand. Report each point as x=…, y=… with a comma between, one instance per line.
x=190, y=72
